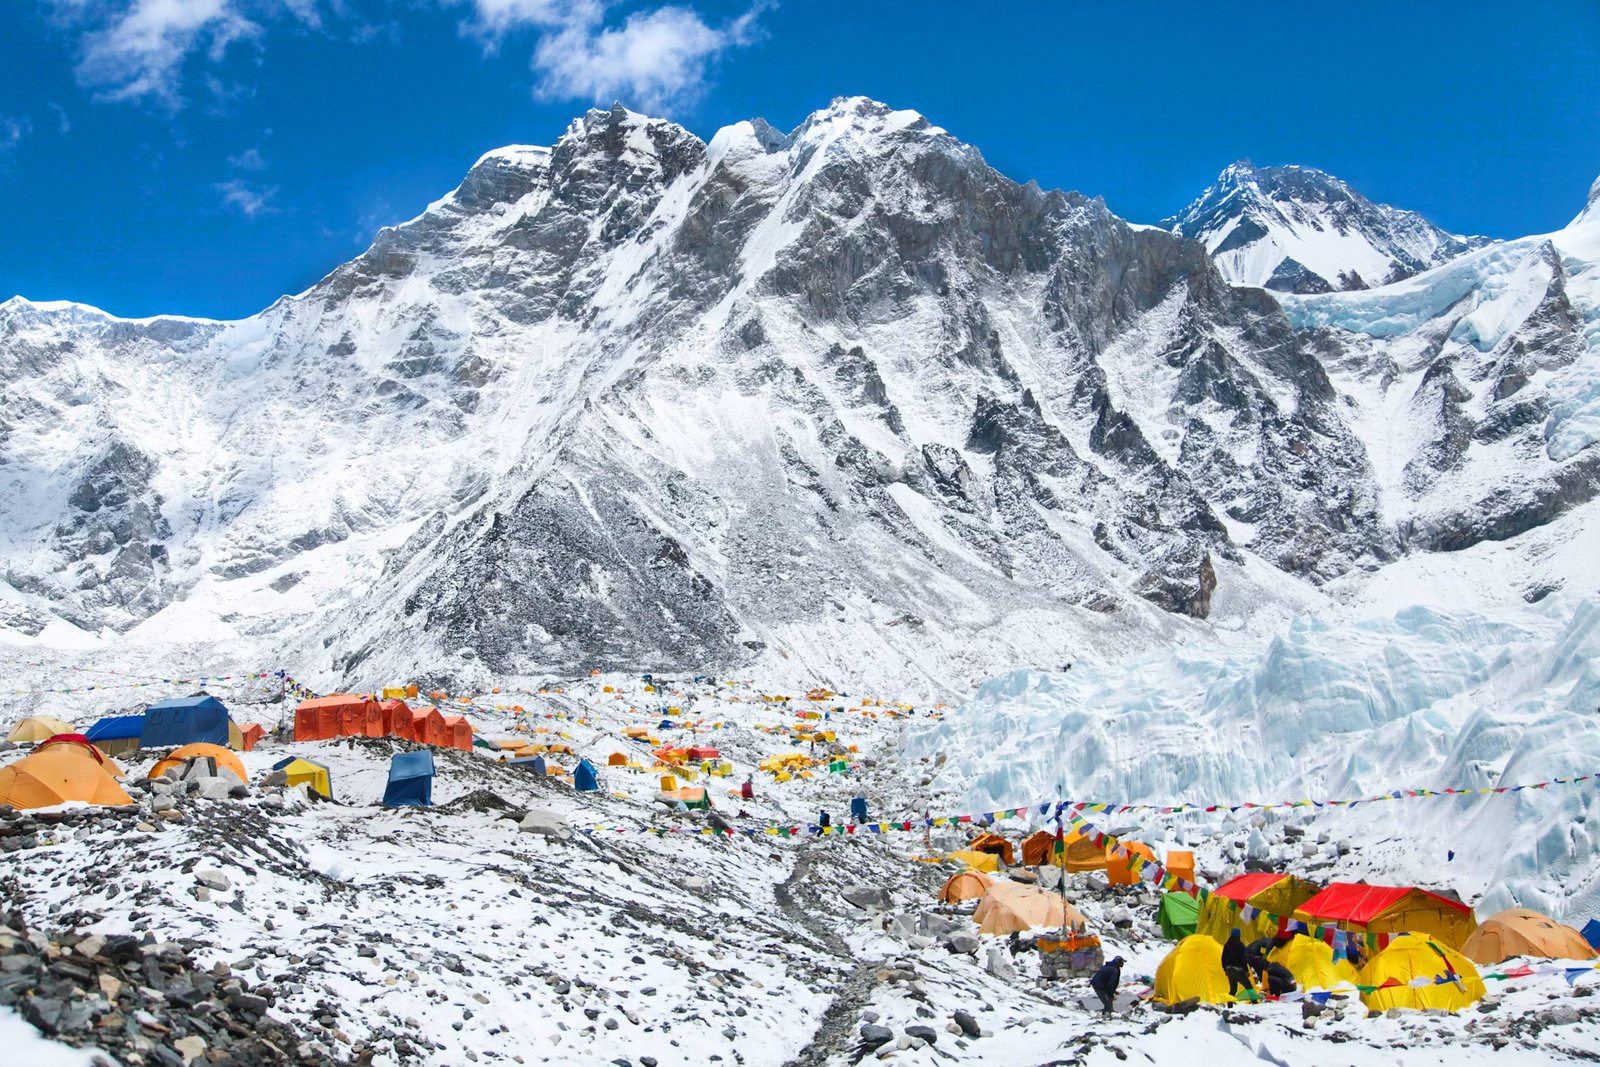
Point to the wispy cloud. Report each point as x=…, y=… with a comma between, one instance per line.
x=249, y=159
x=64, y=124
x=654, y=58
x=248, y=200
x=135, y=50
x=13, y=128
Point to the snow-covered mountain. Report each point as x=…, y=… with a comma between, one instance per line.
x=844, y=402
x=1297, y=230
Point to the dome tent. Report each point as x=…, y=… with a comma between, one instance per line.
x=410, y=780
x=1521, y=932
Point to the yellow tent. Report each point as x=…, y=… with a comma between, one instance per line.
x=1312, y=963
x=1416, y=956
x=1012, y=908
x=36, y=728
x=965, y=885
x=1521, y=932
x=1272, y=894
x=313, y=774
x=199, y=750
x=54, y=774
x=1193, y=969
x=983, y=861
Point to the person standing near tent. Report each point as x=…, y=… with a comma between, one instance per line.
x=1105, y=982
x=747, y=791
x=1236, y=963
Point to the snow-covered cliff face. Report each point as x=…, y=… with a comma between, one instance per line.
x=1297, y=230
x=844, y=402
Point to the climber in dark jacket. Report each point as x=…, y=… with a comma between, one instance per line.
x=1235, y=963
x=1280, y=980
x=1105, y=982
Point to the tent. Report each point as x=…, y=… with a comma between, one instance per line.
x=1453, y=982
x=1591, y=933
x=251, y=736
x=1178, y=914
x=432, y=729
x=689, y=796
x=221, y=760
x=1010, y=907
x=585, y=779
x=396, y=716
x=1081, y=854
x=703, y=752
x=57, y=772
x=535, y=764
x=617, y=759
x=995, y=845
x=965, y=885
x=1378, y=909
x=336, y=715
x=308, y=771
x=1120, y=867
x=1180, y=864
x=457, y=733
x=1272, y=894
x=410, y=780
x=983, y=861
x=185, y=720
x=1312, y=964
x=1193, y=969
x=1521, y=932
x=117, y=735
x=36, y=728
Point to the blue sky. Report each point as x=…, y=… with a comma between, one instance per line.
x=206, y=156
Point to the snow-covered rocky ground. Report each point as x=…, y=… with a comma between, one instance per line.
x=447, y=935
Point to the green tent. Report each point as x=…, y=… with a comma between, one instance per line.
x=1179, y=915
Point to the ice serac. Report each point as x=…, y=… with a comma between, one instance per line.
x=1476, y=386
x=843, y=400
x=1297, y=230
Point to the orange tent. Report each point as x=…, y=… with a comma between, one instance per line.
x=335, y=715
x=1181, y=864
x=617, y=759
x=251, y=736
x=1037, y=848
x=201, y=750
x=458, y=733
x=1119, y=868
x=59, y=771
x=431, y=729
x=1521, y=932
x=965, y=885
x=995, y=845
x=1081, y=853
x=1012, y=908
x=396, y=718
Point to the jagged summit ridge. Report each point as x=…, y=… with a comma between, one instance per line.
x=1296, y=229
x=643, y=399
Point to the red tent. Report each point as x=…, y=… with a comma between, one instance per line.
x=701, y=752
x=1245, y=886
x=396, y=718
x=250, y=735
x=1391, y=909
x=374, y=723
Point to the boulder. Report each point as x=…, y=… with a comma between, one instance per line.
x=962, y=944
x=863, y=896
x=545, y=824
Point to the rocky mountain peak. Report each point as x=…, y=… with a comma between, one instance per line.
x=1591, y=209
x=1298, y=229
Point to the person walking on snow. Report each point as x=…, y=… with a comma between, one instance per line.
x=1235, y=963
x=1105, y=982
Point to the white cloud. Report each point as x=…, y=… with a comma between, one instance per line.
x=249, y=159
x=249, y=201
x=654, y=58
x=13, y=128
x=63, y=122
x=136, y=49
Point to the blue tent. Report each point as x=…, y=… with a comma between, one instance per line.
x=1591, y=933
x=533, y=763
x=185, y=721
x=585, y=778
x=858, y=809
x=410, y=779
x=117, y=728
